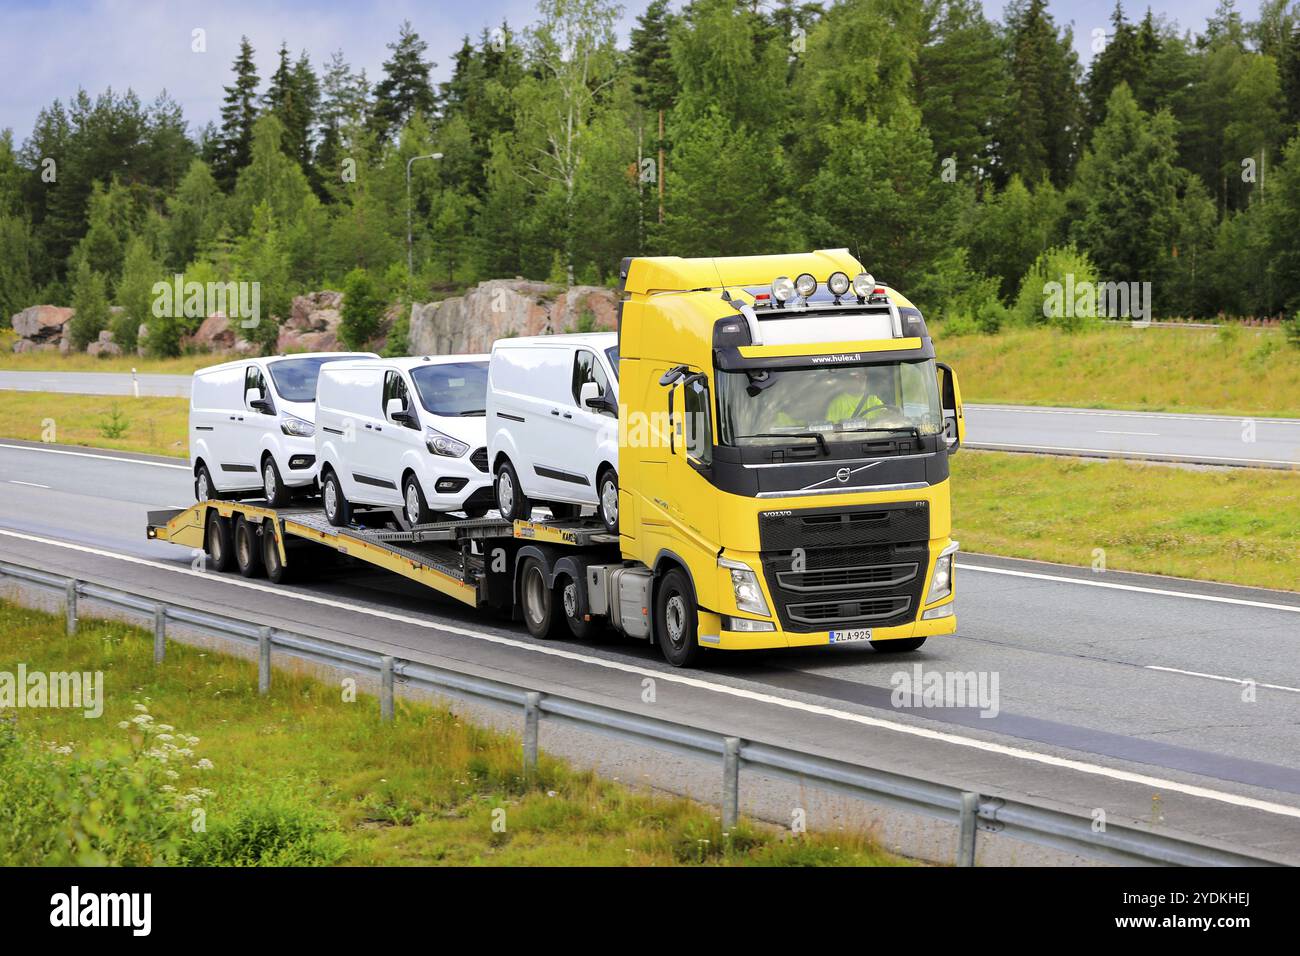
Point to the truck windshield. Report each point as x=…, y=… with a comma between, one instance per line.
x=836, y=403
x=295, y=378
x=452, y=389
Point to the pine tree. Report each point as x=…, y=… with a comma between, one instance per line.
x=238, y=114
x=90, y=300
x=140, y=270
x=654, y=81
x=1289, y=68
x=1120, y=61
x=405, y=88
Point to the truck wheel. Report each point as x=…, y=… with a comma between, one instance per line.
x=607, y=495
x=337, y=509
x=203, y=490
x=566, y=593
x=897, y=646
x=676, y=618
x=276, y=569
x=511, y=500
x=277, y=495
x=217, y=543
x=248, y=550
x=416, y=508
x=536, y=599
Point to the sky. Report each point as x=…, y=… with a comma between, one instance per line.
x=49, y=48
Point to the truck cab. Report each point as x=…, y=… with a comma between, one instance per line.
x=785, y=436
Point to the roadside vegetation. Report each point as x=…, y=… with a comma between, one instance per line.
x=302, y=778
x=1237, y=525
x=81, y=362
x=1234, y=370
x=154, y=426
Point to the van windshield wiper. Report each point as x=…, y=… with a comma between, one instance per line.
x=816, y=436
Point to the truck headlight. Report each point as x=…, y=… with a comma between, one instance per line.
x=941, y=582
x=297, y=427
x=744, y=584
x=445, y=445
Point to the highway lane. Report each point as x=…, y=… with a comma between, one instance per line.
x=1119, y=677
x=1193, y=439
x=1154, y=436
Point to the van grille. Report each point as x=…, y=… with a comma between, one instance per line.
x=479, y=458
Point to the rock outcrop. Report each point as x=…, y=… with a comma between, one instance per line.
x=313, y=323
x=499, y=308
x=41, y=328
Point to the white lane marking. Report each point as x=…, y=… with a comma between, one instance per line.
x=1163, y=592
x=1109, y=413
x=1218, y=677
x=82, y=454
x=1102, y=431
x=1020, y=753
x=29, y=484
x=1194, y=459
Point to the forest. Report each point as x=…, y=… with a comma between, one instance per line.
x=967, y=161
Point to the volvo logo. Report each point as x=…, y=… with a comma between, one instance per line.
x=843, y=474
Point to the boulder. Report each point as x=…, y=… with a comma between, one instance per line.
x=214, y=334
x=40, y=323
x=316, y=312
x=104, y=345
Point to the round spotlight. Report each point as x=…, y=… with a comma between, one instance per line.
x=805, y=285
x=838, y=283
x=782, y=289
x=863, y=284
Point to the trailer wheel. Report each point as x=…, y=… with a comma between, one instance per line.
x=676, y=618
x=337, y=509
x=217, y=543
x=536, y=599
x=566, y=593
x=276, y=570
x=898, y=646
x=248, y=550
x=511, y=500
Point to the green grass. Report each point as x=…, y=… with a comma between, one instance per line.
x=302, y=777
x=1240, y=371
x=1237, y=525
x=81, y=362
x=154, y=426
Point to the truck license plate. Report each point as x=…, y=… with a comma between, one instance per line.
x=857, y=634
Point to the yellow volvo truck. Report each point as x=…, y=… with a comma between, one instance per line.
x=784, y=434
x=800, y=496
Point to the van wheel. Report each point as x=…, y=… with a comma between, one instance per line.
x=536, y=599
x=217, y=543
x=248, y=550
x=511, y=500
x=898, y=646
x=337, y=509
x=276, y=569
x=203, y=490
x=277, y=495
x=415, y=507
x=566, y=593
x=676, y=619
x=607, y=496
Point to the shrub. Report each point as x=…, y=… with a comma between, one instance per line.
x=275, y=830
x=1044, y=296
x=90, y=300
x=363, y=309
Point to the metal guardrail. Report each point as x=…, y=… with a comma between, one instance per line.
x=973, y=812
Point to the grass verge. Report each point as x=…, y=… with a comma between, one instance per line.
x=81, y=362
x=302, y=777
x=1236, y=525
x=155, y=426
x=1234, y=371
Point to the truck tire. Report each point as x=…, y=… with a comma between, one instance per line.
x=676, y=618
x=607, y=498
x=216, y=542
x=511, y=500
x=897, y=646
x=276, y=570
x=248, y=549
x=277, y=495
x=337, y=509
x=536, y=600
x=566, y=597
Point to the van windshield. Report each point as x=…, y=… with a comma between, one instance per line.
x=611, y=353
x=452, y=389
x=295, y=378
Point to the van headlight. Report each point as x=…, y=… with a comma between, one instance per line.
x=941, y=582
x=744, y=584
x=297, y=427
x=445, y=445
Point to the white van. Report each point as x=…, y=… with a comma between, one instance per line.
x=406, y=433
x=552, y=407
x=251, y=426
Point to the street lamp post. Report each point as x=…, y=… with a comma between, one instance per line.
x=410, y=260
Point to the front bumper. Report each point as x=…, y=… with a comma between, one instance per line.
x=711, y=633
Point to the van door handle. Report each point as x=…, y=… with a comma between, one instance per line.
x=568, y=414
x=370, y=426
x=555, y=411
x=379, y=428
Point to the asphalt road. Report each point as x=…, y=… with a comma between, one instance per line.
x=1112, y=688
x=1191, y=439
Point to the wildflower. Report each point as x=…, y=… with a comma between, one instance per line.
x=203, y=764
x=124, y=724
x=141, y=708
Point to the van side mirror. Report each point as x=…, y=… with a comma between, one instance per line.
x=397, y=412
x=254, y=400
x=589, y=395
x=954, y=419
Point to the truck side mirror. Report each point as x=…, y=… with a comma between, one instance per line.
x=676, y=415
x=954, y=419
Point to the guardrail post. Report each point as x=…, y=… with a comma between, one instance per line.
x=71, y=606
x=264, y=661
x=159, y=632
x=970, y=806
x=385, y=688
x=730, y=782
x=532, y=718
